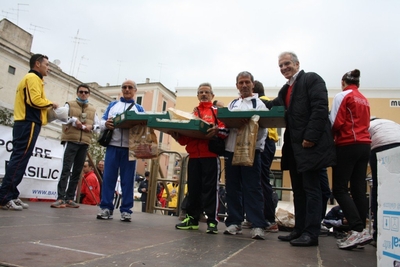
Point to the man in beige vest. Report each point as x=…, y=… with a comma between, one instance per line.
x=76, y=135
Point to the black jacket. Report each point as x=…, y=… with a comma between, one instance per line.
x=306, y=119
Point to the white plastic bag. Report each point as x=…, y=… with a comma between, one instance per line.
x=59, y=115
x=284, y=219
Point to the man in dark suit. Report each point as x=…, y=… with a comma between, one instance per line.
x=308, y=145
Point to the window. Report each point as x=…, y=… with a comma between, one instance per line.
x=139, y=100
x=11, y=70
x=164, y=106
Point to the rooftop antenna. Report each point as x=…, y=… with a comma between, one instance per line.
x=18, y=10
x=35, y=28
x=80, y=64
x=76, y=41
x=119, y=68
x=6, y=16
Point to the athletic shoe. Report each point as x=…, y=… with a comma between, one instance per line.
x=104, y=214
x=233, y=229
x=340, y=240
x=351, y=241
x=20, y=203
x=246, y=225
x=366, y=238
x=257, y=233
x=11, y=205
x=126, y=217
x=188, y=224
x=272, y=228
x=212, y=228
x=71, y=204
x=58, y=204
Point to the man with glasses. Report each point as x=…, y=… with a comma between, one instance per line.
x=117, y=157
x=77, y=136
x=30, y=113
x=204, y=166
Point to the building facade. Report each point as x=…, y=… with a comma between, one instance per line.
x=15, y=52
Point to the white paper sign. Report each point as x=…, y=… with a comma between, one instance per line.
x=388, y=245
x=44, y=167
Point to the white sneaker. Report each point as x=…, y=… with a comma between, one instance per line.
x=365, y=239
x=233, y=229
x=126, y=217
x=351, y=241
x=343, y=239
x=104, y=214
x=20, y=203
x=11, y=206
x=257, y=233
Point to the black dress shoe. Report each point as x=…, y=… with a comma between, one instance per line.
x=289, y=237
x=304, y=241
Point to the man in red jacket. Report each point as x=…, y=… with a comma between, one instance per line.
x=90, y=192
x=204, y=166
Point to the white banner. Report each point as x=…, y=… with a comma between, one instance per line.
x=44, y=167
x=388, y=244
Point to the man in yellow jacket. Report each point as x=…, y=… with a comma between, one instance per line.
x=30, y=113
x=171, y=195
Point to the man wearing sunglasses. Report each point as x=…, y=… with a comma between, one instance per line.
x=77, y=136
x=30, y=113
x=117, y=157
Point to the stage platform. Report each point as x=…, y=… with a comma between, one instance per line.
x=42, y=236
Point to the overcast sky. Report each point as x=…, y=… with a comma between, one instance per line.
x=185, y=42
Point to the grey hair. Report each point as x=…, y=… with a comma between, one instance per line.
x=294, y=57
x=245, y=74
x=206, y=84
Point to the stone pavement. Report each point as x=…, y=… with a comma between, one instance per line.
x=44, y=236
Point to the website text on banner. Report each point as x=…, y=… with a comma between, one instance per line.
x=44, y=167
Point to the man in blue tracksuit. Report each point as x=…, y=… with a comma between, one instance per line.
x=117, y=157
